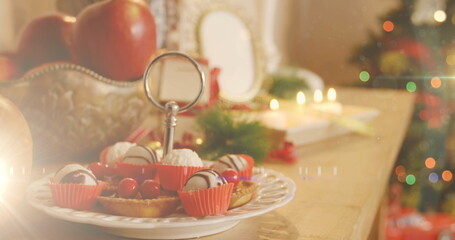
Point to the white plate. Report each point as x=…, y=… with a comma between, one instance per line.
x=274, y=190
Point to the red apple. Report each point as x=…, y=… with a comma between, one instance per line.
x=45, y=39
x=115, y=38
x=8, y=68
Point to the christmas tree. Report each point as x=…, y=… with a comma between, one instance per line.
x=416, y=51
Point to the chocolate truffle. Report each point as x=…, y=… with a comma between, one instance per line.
x=230, y=161
x=183, y=157
x=141, y=155
x=204, y=179
x=76, y=174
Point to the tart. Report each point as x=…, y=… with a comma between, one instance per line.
x=146, y=208
x=242, y=194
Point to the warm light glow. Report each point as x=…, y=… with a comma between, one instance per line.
x=447, y=175
x=199, y=141
x=388, y=26
x=331, y=95
x=317, y=96
x=274, y=104
x=450, y=59
x=430, y=163
x=400, y=169
x=436, y=82
x=440, y=16
x=3, y=184
x=301, y=99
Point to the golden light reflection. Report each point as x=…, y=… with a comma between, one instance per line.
x=447, y=175
x=331, y=95
x=450, y=59
x=199, y=141
x=317, y=97
x=301, y=99
x=274, y=104
x=430, y=163
x=436, y=82
x=440, y=16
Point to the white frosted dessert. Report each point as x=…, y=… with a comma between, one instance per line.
x=182, y=157
x=76, y=174
x=140, y=155
x=230, y=161
x=204, y=179
x=116, y=152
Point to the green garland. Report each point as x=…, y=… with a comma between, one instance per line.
x=226, y=135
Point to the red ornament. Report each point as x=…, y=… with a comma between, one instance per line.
x=231, y=176
x=115, y=38
x=150, y=189
x=127, y=188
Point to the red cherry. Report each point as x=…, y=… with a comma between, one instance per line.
x=231, y=176
x=97, y=169
x=150, y=189
x=127, y=188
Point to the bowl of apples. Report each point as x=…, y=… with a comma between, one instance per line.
x=78, y=80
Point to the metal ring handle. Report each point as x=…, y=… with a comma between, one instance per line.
x=148, y=71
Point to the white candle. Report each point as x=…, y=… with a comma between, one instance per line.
x=301, y=100
x=274, y=118
x=331, y=106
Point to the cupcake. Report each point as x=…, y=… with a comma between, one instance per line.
x=206, y=193
x=138, y=162
x=177, y=166
x=235, y=162
x=74, y=186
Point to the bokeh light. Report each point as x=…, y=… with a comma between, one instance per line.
x=401, y=177
x=447, y=175
x=433, y=177
x=440, y=16
x=450, y=59
x=411, y=86
x=400, y=169
x=430, y=163
x=436, y=82
x=364, y=76
x=410, y=179
x=388, y=26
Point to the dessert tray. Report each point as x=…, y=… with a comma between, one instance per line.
x=274, y=190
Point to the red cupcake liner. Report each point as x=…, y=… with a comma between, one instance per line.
x=246, y=174
x=136, y=171
x=174, y=177
x=207, y=202
x=76, y=196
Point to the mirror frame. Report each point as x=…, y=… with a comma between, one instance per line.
x=194, y=13
x=258, y=76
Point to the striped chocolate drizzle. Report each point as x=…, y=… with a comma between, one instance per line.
x=203, y=174
x=231, y=161
x=153, y=155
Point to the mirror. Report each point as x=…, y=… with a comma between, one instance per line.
x=227, y=42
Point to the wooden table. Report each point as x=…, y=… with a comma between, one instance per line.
x=339, y=203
